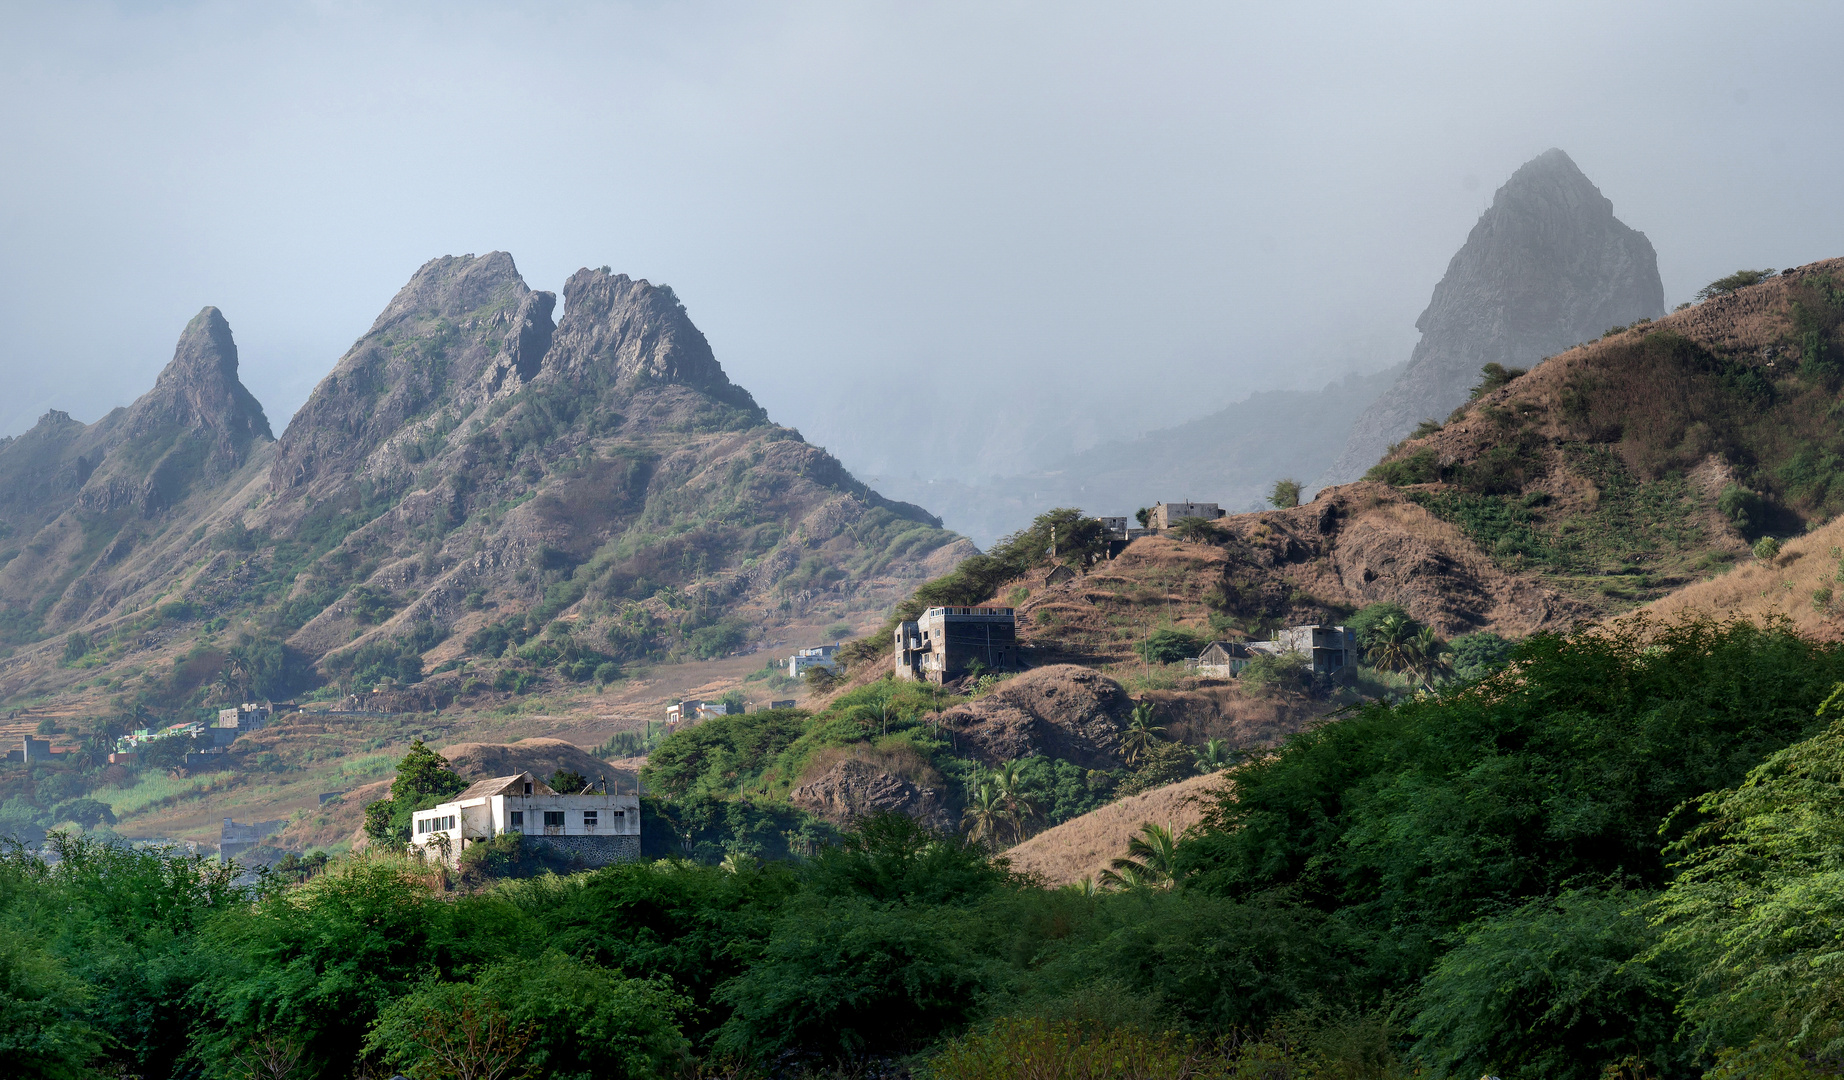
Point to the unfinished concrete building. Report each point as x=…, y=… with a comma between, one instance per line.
x=1166, y=515
x=948, y=643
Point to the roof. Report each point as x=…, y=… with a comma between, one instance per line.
x=1228, y=648
x=500, y=785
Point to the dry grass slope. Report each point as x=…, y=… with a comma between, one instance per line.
x=1083, y=847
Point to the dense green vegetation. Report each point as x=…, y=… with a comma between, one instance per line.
x=1619, y=852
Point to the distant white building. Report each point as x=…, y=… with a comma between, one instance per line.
x=596, y=827
x=818, y=656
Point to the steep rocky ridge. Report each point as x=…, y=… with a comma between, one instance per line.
x=1546, y=266
x=79, y=500
x=471, y=471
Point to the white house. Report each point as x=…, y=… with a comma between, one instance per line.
x=818, y=656
x=595, y=826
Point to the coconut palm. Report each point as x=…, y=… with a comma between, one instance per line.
x=1427, y=655
x=984, y=816
x=1151, y=860
x=1213, y=756
x=1141, y=734
x=1020, y=808
x=1392, y=644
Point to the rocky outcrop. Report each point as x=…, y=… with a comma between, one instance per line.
x=199, y=390
x=854, y=788
x=1062, y=711
x=626, y=333
x=1546, y=267
x=444, y=333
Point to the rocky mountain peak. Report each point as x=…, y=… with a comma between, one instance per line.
x=453, y=287
x=1546, y=266
x=199, y=388
x=626, y=332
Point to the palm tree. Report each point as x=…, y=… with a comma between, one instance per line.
x=1019, y=806
x=1142, y=734
x=983, y=816
x=1427, y=655
x=1213, y=756
x=1392, y=644
x=1151, y=860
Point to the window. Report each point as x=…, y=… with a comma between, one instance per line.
x=528, y=787
x=553, y=819
x=518, y=819
x=589, y=819
x=422, y=826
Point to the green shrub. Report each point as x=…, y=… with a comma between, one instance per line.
x=1421, y=467
x=1767, y=549
x=1169, y=645
x=1474, y=656
x=1557, y=987
x=1498, y=375
x=1741, y=279
x=1286, y=494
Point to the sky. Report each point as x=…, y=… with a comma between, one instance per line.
x=949, y=240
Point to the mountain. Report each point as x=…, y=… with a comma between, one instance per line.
x=1546, y=267
x=525, y=502
x=1621, y=471
x=1232, y=457
x=76, y=499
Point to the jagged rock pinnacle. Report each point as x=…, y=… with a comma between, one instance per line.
x=1547, y=266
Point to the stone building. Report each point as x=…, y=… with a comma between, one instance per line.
x=1166, y=515
x=595, y=827
x=947, y=643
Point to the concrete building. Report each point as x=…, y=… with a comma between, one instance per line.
x=948, y=642
x=1166, y=515
x=1326, y=650
x=818, y=656
x=240, y=720
x=31, y=750
x=594, y=826
x=1222, y=659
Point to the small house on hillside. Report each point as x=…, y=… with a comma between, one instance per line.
x=596, y=827
x=1222, y=659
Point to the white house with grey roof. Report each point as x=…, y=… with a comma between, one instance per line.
x=594, y=826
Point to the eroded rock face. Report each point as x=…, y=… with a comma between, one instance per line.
x=1547, y=266
x=440, y=336
x=854, y=788
x=627, y=333
x=1062, y=711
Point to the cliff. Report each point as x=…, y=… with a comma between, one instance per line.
x=1546, y=267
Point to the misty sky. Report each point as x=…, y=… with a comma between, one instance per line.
x=950, y=239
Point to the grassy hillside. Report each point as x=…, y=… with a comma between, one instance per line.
x=1633, y=465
